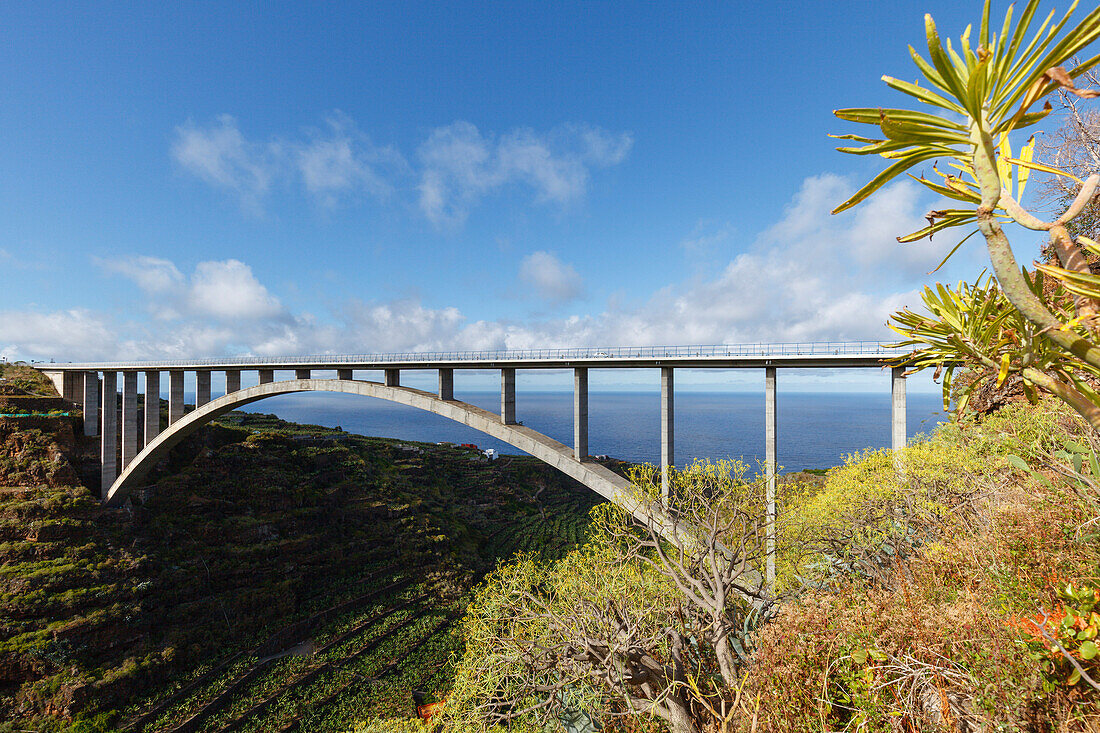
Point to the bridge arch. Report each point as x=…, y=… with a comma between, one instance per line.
x=603, y=481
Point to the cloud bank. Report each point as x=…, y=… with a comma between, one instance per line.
x=808, y=277
x=455, y=166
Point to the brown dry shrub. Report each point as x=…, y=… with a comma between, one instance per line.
x=935, y=649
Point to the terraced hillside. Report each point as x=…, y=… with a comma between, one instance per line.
x=273, y=576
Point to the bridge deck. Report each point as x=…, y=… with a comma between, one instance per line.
x=829, y=355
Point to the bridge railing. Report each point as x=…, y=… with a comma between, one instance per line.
x=716, y=351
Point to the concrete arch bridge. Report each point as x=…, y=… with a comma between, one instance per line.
x=127, y=458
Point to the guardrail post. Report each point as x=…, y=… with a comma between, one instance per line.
x=446, y=384
x=108, y=434
x=771, y=446
x=508, y=396
x=580, y=413
x=668, y=419
x=152, y=407
x=202, y=387
x=90, y=404
x=175, y=396
x=232, y=380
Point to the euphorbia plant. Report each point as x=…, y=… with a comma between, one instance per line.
x=973, y=99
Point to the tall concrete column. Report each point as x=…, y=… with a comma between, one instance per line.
x=393, y=377
x=344, y=374
x=302, y=373
x=71, y=386
x=232, y=380
x=175, y=396
x=91, y=403
x=446, y=384
x=771, y=445
x=108, y=440
x=668, y=419
x=152, y=407
x=508, y=396
x=202, y=387
x=580, y=413
x=267, y=376
x=129, y=417
x=897, y=408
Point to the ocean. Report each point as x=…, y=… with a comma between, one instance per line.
x=816, y=430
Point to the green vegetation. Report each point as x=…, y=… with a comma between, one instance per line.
x=925, y=598
x=271, y=577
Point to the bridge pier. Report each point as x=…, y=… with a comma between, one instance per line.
x=446, y=384
x=303, y=373
x=580, y=413
x=267, y=376
x=771, y=451
x=71, y=387
x=508, y=396
x=90, y=403
x=152, y=407
x=175, y=396
x=344, y=374
x=897, y=408
x=108, y=440
x=129, y=417
x=667, y=429
x=232, y=380
x=202, y=387
x=393, y=377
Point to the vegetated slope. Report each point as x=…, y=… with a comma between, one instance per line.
x=272, y=577
x=948, y=588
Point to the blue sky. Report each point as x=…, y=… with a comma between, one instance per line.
x=271, y=178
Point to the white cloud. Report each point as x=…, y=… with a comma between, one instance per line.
x=228, y=289
x=222, y=289
x=153, y=275
x=222, y=157
x=30, y=335
x=550, y=278
x=460, y=165
x=341, y=159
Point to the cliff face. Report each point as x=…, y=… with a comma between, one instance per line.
x=251, y=526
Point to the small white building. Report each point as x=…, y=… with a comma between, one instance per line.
x=491, y=454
